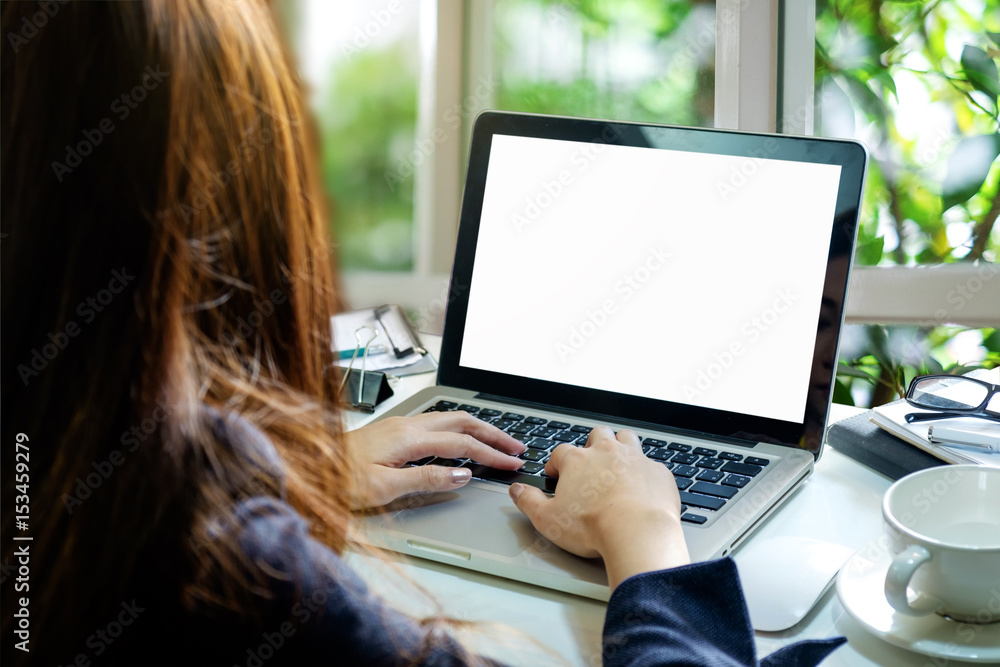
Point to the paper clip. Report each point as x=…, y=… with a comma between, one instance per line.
x=358, y=333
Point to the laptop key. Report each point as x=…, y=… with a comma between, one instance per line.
x=653, y=442
x=531, y=454
x=685, y=471
x=693, y=518
x=537, y=421
x=714, y=490
x=677, y=447
x=741, y=469
x=542, y=443
x=489, y=412
x=444, y=406
x=544, y=432
x=705, y=451
x=510, y=476
x=659, y=454
x=521, y=437
x=684, y=459
x=711, y=476
x=503, y=424
x=704, y=502
x=532, y=468
x=420, y=462
x=521, y=427
x=730, y=456
x=471, y=409
x=449, y=463
x=565, y=436
x=710, y=463
x=683, y=482
x=481, y=416
x=558, y=425
x=756, y=461
x=581, y=429
x=432, y=409
x=513, y=416
x=739, y=481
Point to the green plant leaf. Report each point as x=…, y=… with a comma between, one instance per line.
x=883, y=77
x=968, y=167
x=851, y=371
x=865, y=98
x=991, y=341
x=842, y=393
x=981, y=71
x=869, y=252
x=995, y=36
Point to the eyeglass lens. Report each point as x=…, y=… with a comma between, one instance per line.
x=950, y=393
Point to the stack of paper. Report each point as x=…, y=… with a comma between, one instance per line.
x=380, y=356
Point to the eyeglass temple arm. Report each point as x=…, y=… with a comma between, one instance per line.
x=928, y=416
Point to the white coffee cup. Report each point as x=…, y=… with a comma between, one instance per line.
x=943, y=526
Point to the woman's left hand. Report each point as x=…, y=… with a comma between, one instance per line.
x=383, y=448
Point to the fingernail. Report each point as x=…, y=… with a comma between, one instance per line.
x=516, y=490
x=460, y=475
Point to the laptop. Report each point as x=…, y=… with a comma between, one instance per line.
x=686, y=283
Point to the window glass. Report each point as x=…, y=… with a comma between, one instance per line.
x=644, y=60
x=360, y=59
x=917, y=82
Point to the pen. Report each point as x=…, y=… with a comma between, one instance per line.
x=943, y=435
x=375, y=349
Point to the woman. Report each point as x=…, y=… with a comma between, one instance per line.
x=167, y=284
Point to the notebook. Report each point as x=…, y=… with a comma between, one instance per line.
x=686, y=283
x=892, y=419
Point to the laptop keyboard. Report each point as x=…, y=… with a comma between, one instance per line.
x=707, y=478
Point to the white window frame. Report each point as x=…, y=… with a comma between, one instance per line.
x=456, y=62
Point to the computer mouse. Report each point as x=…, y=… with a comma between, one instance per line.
x=784, y=577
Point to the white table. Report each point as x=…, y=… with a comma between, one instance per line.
x=840, y=502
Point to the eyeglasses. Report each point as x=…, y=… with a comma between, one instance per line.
x=951, y=396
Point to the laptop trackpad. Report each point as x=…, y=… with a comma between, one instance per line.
x=497, y=526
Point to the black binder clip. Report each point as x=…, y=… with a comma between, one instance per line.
x=365, y=389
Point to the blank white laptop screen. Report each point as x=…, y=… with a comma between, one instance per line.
x=677, y=276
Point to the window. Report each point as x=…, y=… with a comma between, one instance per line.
x=915, y=81
x=632, y=60
x=360, y=60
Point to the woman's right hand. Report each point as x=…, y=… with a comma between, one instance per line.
x=611, y=501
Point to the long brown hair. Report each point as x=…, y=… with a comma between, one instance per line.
x=164, y=259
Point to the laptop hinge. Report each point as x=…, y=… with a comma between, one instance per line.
x=633, y=423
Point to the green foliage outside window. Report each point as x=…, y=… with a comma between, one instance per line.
x=641, y=60
x=917, y=81
x=368, y=128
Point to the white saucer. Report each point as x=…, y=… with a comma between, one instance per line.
x=860, y=588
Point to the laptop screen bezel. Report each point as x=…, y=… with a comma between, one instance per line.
x=851, y=156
